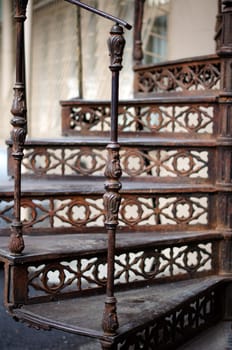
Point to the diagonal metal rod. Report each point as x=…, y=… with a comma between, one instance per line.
x=100, y=13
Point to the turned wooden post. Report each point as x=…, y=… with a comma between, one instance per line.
x=138, y=24
x=218, y=26
x=113, y=172
x=19, y=123
x=224, y=176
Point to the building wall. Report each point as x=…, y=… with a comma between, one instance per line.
x=191, y=28
x=95, y=32
x=7, y=71
x=54, y=50
x=54, y=66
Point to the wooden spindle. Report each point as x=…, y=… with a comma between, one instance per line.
x=113, y=172
x=138, y=24
x=224, y=177
x=19, y=123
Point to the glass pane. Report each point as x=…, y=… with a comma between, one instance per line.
x=0, y=10
x=156, y=49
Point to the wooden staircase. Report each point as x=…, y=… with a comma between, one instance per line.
x=165, y=275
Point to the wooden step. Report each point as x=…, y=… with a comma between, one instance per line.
x=174, y=311
x=143, y=140
x=185, y=76
x=48, y=205
x=41, y=186
x=47, y=247
x=177, y=115
x=201, y=97
x=64, y=266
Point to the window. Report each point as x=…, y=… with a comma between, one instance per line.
x=0, y=11
x=155, y=31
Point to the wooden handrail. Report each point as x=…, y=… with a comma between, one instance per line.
x=100, y=13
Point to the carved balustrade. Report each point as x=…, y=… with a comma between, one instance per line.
x=140, y=266
x=147, y=116
x=150, y=162
x=189, y=76
x=169, y=211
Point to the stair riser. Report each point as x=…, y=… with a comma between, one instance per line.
x=182, y=77
x=62, y=276
x=179, y=325
x=143, y=117
x=143, y=162
x=46, y=213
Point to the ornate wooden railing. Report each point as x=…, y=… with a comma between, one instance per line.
x=159, y=260
x=192, y=209
x=148, y=159
x=190, y=76
x=157, y=116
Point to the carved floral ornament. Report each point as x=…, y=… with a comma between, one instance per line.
x=116, y=44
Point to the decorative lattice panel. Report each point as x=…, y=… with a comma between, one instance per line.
x=179, y=118
x=182, y=77
x=135, y=162
x=136, y=211
x=177, y=325
x=144, y=265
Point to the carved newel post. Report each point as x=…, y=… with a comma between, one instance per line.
x=112, y=197
x=19, y=123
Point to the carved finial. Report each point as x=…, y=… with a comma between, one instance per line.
x=116, y=44
x=16, y=244
x=110, y=319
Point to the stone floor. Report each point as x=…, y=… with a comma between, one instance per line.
x=17, y=336
x=218, y=337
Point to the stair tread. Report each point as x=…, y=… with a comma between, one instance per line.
x=136, y=307
x=95, y=185
x=136, y=140
x=49, y=246
x=206, y=96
